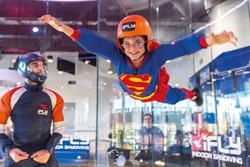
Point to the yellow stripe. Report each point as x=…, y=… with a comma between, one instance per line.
x=145, y=97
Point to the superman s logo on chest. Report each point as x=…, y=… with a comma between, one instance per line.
x=136, y=83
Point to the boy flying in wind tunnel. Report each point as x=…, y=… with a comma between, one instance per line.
x=139, y=60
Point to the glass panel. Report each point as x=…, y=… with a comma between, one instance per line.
x=183, y=123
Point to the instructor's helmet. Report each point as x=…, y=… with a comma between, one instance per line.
x=24, y=70
x=134, y=25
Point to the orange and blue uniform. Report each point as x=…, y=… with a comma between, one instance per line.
x=148, y=82
x=31, y=110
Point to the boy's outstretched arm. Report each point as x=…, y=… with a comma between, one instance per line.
x=59, y=26
x=222, y=38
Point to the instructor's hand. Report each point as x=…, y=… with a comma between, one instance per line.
x=41, y=156
x=17, y=155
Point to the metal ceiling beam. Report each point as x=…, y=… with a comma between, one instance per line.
x=180, y=8
x=67, y=0
x=131, y=6
x=31, y=21
x=121, y=6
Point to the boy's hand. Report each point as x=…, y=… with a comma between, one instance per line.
x=59, y=26
x=222, y=38
x=51, y=21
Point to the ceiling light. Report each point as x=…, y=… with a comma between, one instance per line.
x=14, y=60
x=168, y=61
x=60, y=72
x=50, y=59
x=35, y=29
x=157, y=8
x=111, y=69
x=110, y=72
x=87, y=61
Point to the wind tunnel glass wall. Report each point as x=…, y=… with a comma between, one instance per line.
x=218, y=124
x=122, y=133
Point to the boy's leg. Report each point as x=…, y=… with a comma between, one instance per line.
x=175, y=95
x=198, y=97
x=167, y=94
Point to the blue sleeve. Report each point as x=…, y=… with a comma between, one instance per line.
x=98, y=45
x=53, y=141
x=5, y=143
x=179, y=48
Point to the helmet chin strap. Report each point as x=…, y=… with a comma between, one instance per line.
x=139, y=57
x=142, y=54
x=33, y=83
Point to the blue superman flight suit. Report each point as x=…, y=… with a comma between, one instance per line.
x=148, y=82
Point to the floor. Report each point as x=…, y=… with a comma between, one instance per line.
x=175, y=163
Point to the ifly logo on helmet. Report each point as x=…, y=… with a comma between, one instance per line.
x=130, y=26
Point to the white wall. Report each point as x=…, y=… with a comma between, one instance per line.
x=237, y=21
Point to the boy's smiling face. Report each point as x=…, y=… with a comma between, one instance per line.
x=134, y=47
